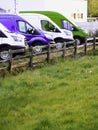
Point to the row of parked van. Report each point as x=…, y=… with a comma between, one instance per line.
x=36, y=29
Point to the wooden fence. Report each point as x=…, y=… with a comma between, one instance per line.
x=50, y=51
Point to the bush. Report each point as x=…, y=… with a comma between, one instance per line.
x=96, y=33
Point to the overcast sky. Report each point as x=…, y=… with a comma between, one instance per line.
x=22, y=4
x=41, y=5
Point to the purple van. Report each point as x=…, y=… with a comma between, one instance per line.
x=34, y=36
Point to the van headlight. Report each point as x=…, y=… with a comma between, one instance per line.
x=85, y=31
x=17, y=39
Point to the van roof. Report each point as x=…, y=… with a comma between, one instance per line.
x=44, y=12
x=42, y=17
x=36, y=14
x=8, y=15
x=50, y=14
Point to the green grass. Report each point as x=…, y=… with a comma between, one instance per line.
x=59, y=96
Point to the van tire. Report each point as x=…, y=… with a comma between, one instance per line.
x=4, y=53
x=79, y=42
x=37, y=46
x=59, y=43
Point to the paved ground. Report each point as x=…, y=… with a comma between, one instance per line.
x=93, y=26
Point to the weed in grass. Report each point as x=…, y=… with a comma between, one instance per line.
x=95, y=106
x=63, y=84
x=43, y=124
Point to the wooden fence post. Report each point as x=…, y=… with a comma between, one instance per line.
x=64, y=49
x=94, y=44
x=10, y=61
x=85, y=46
x=75, y=47
x=48, y=53
x=31, y=56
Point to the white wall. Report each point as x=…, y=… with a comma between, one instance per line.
x=68, y=7
x=62, y=6
x=30, y=4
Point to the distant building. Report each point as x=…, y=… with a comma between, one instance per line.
x=74, y=9
x=2, y=10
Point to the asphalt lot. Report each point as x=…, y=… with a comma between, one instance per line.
x=93, y=26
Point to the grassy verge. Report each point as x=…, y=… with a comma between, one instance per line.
x=59, y=96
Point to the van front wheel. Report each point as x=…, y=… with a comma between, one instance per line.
x=37, y=49
x=4, y=53
x=78, y=41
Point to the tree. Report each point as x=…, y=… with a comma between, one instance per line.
x=93, y=8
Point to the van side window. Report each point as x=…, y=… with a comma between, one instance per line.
x=67, y=25
x=2, y=35
x=24, y=27
x=47, y=26
x=21, y=26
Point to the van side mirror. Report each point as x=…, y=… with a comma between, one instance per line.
x=54, y=29
x=30, y=31
x=73, y=28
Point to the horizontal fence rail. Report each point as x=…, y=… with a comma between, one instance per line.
x=50, y=51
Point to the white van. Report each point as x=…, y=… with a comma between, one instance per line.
x=10, y=40
x=47, y=26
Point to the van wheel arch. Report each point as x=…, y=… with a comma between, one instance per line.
x=37, y=43
x=59, y=40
